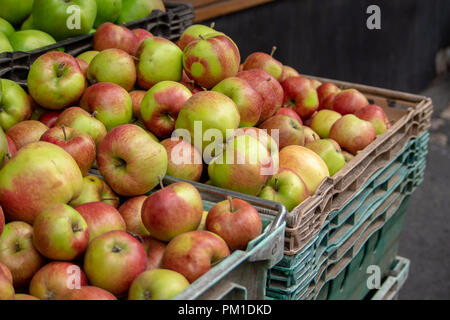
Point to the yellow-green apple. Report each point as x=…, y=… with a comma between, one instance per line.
x=376, y=116
x=266, y=62
x=322, y=121
x=244, y=166
x=164, y=218
x=55, y=80
x=155, y=251
x=29, y=40
x=81, y=120
x=2, y=220
x=315, y=83
x=107, y=11
x=161, y=105
x=288, y=72
x=141, y=34
x=288, y=130
x=131, y=214
x=136, y=99
x=56, y=279
x=113, y=260
x=84, y=66
x=6, y=288
x=248, y=101
x=56, y=17
x=184, y=160
x=76, y=143
x=15, y=12
x=193, y=253
x=159, y=59
x=211, y=59
x=207, y=110
x=310, y=135
x=95, y=189
x=131, y=161
x=6, y=28
x=88, y=293
x=60, y=233
x=301, y=96
x=4, y=148
x=307, y=164
x=157, y=284
x=352, y=133
x=109, y=103
x=331, y=155
x=26, y=132
x=5, y=45
x=290, y=112
x=236, y=221
x=45, y=168
x=285, y=187
x=347, y=156
x=192, y=33
x=22, y=296
x=113, y=65
x=100, y=218
x=349, y=101
x=137, y=9
x=14, y=105
x=88, y=55
x=326, y=93
x=268, y=87
x=110, y=35
x=18, y=253
x=49, y=118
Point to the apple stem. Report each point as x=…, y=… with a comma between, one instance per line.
x=212, y=25
x=230, y=200
x=276, y=184
x=161, y=184
x=110, y=199
x=94, y=113
x=8, y=155
x=274, y=48
x=64, y=131
x=116, y=249
x=201, y=37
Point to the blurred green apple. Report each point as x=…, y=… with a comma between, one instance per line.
x=28, y=40
x=15, y=11
x=107, y=11
x=28, y=24
x=5, y=46
x=137, y=9
x=6, y=27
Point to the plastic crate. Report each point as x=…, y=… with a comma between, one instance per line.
x=170, y=24
x=391, y=287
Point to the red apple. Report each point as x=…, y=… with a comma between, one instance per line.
x=49, y=118
x=6, y=289
x=310, y=135
x=110, y=35
x=131, y=214
x=2, y=220
x=184, y=160
x=288, y=72
x=290, y=112
x=89, y=293
x=288, y=130
x=136, y=100
x=95, y=189
x=141, y=34
x=266, y=62
x=301, y=96
x=326, y=94
x=155, y=251
x=84, y=66
x=5, y=271
x=12, y=149
x=376, y=116
x=26, y=132
x=349, y=101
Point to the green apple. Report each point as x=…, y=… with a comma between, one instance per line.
x=331, y=155
x=29, y=40
x=285, y=187
x=157, y=284
x=322, y=122
x=88, y=55
x=3, y=152
x=107, y=11
x=95, y=189
x=28, y=24
x=61, y=20
x=5, y=46
x=15, y=11
x=14, y=104
x=137, y=9
x=6, y=27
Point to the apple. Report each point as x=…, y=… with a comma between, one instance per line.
x=2, y=220
x=235, y=221
x=268, y=87
x=349, y=101
x=308, y=165
x=376, y=116
x=56, y=279
x=136, y=100
x=29, y=40
x=301, y=96
x=352, y=133
x=157, y=284
x=88, y=293
x=45, y=168
x=5, y=45
x=285, y=187
x=266, y=62
x=212, y=59
x=288, y=72
x=113, y=260
x=100, y=218
x=190, y=84
x=193, y=253
x=55, y=80
x=95, y=189
x=81, y=120
x=109, y=103
x=110, y=35
x=164, y=218
x=60, y=233
x=288, y=130
x=88, y=56
x=113, y=65
x=131, y=214
x=184, y=160
x=4, y=148
x=5, y=271
x=155, y=251
x=6, y=288
x=84, y=66
x=141, y=34
x=347, y=156
x=213, y=110
x=22, y=296
x=18, y=254
x=49, y=118
x=315, y=83
x=6, y=28
x=26, y=132
x=244, y=166
x=310, y=135
x=290, y=112
x=192, y=33
x=331, y=155
x=76, y=143
x=161, y=105
x=322, y=121
x=137, y=9
x=131, y=161
x=14, y=106
x=248, y=101
x=28, y=24
x=15, y=12
x=12, y=149
x=159, y=59
x=107, y=11
x=55, y=17
x=326, y=93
